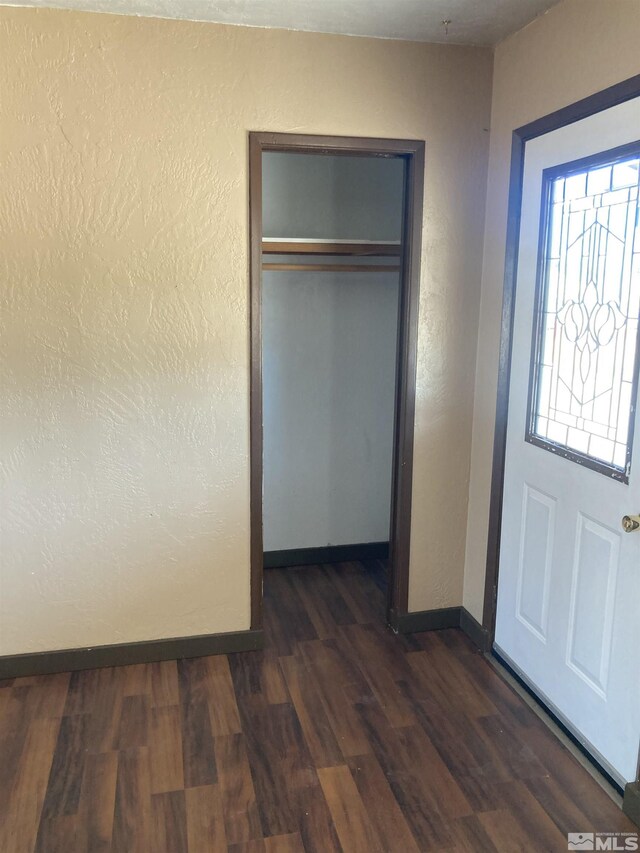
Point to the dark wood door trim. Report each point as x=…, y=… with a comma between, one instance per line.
x=611, y=97
x=413, y=153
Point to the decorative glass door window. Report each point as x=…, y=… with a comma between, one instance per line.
x=584, y=378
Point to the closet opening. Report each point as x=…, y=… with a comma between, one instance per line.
x=335, y=227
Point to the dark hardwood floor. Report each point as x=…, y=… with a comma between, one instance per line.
x=340, y=736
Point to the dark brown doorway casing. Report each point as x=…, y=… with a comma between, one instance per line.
x=412, y=152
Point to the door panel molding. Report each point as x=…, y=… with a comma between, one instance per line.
x=531, y=496
x=584, y=661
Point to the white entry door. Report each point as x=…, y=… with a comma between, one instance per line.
x=568, y=617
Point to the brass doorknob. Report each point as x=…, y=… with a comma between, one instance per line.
x=630, y=523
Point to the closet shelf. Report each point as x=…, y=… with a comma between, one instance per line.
x=302, y=246
x=332, y=267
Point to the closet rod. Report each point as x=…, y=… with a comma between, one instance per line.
x=332, y=267
x=273, y=246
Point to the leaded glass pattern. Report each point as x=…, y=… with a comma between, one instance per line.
x=585, y=363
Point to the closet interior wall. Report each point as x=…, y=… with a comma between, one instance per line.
x=329, y=338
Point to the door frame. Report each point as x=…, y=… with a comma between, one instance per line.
x=413, y=153
x=626, y=90
x=611, y=97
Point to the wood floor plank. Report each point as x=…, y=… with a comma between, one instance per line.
x=317, y=828
x=307, y=702
x=507, y=746
x=438, y=786
x=235, y=788
x=572, y=778
x=334, y=674
x=133, y=730
x=279, y=763
x=246, y=674
x=97, y=800
x=499, y=693
x=136, y=679
x=198, y=755
x=382, y=807
x=205, y=820
x=365, y=600
x=5, y=701
x=339, y=736
x=106, y=712
x=462, y=749
x=408, y=781
x=164, y=683
x=256, y=846
x=61, y=834
x=530, y=817
x=67, y=769
x=48, y=694
x=165, y=749
x=272, y=680
x=383, y=669
x=132, y=814
x=20, y=812
x=447, y=680
x=286, y=621
x=561, y=809
x=284, y=844
x=13, y=734
x=318, y=610
x=223, y=708
x=354, y=828
x=291, y=843
x=258, y=675
x=335, y=605
x=83, y=694
x=322, y=600
x=169, y=822
x=506, y=833
x=471, y=836
x=288, y=792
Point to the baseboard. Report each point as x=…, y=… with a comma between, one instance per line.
x=477, y=633
x=327, y=554
x=121, y=654
x=631, y=802
x=436, y=620
x=425, y=620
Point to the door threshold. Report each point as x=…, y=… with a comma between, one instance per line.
x=509, y=673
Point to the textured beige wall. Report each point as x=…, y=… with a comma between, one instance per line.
x=579, y=47
x=124, y=285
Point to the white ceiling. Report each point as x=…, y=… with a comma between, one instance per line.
x=479, y=22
